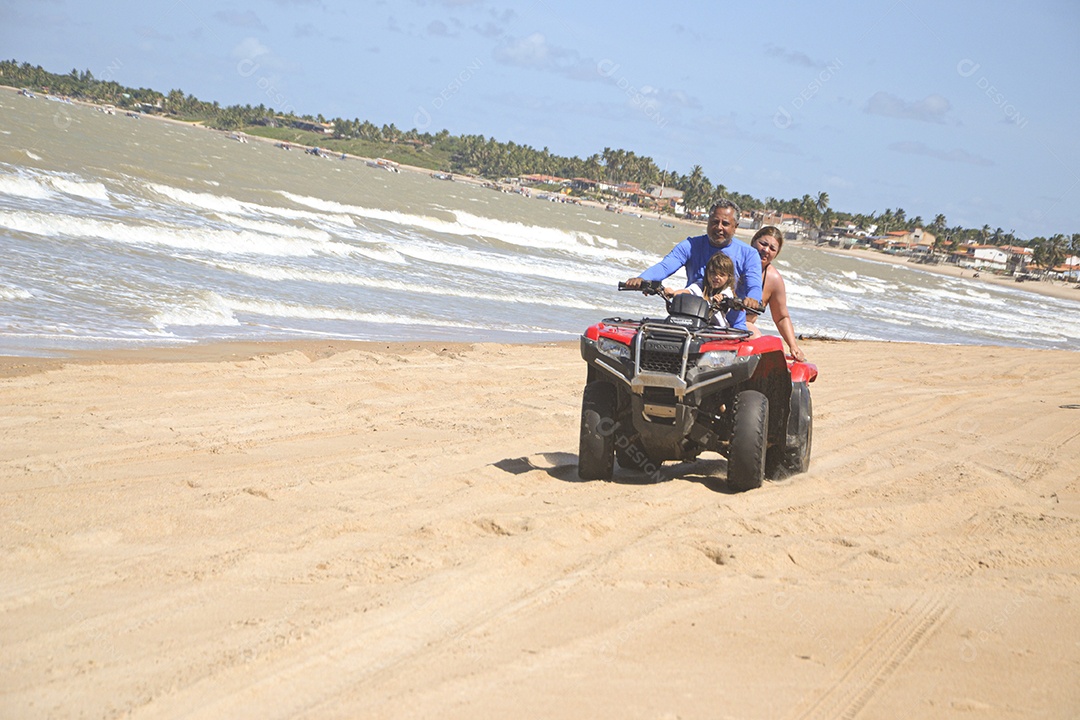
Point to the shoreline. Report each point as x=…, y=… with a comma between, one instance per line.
x=240, y=351
x=218, y=351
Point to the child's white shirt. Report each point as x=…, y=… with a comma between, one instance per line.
x=719, y=319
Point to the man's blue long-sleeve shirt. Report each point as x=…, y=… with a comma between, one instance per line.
x=693, y=254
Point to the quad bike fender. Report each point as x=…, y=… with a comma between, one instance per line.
x=611, y=367
x=803, y=372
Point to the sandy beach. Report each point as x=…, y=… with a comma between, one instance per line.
x=330, y=530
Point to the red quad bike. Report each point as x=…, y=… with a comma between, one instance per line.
x=669, y=389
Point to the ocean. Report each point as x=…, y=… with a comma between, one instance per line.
x=120, y=232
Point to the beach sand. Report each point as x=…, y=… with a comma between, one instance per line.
x=334, y=530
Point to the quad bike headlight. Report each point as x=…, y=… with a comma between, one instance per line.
x=716, y=359
x=613, y=349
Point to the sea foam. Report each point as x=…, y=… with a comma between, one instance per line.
x=200, y=238
x=88, y=190
x=24, y=187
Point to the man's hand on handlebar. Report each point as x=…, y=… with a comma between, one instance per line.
x=727, y=303
x=647, y=287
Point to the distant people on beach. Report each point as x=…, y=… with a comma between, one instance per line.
x=719, y=282
x=768, y=241
x=694, y=253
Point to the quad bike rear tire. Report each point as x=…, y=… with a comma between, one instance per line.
x=749, y=441
x=596, y=449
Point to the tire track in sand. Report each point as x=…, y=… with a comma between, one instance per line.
x=311, y=683
x=897, y=640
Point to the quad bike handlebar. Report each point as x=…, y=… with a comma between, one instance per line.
x=647, y=287
x=656, y=287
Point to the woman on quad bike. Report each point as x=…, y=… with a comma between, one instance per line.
x=768, y=241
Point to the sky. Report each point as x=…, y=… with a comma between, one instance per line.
x=966, y=109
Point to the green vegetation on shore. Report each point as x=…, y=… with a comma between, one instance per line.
x=491, y=159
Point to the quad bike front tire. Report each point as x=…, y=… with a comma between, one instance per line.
x=596, y=448
x=797, y=454
x=749, y=441
x=793, y=457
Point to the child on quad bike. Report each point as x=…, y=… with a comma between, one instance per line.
x=718, y=283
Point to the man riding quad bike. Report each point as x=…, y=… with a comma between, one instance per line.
x=668, y=389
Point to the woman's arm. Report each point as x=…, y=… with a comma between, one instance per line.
x=768, y=285
x=778, y=305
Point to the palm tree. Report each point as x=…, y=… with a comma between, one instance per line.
x=821, y=204
x=828, y=219
x=1055, y=251
x=938, y=226
x=593, y=167
x=886, y=220
x=808, y=210
x=697, y=189
x=1074, y=245
x=900, y=216
x=939, y=243
x=1038, y=254
x=822, y=201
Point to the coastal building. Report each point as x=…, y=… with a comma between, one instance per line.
x=892, y=242
x=917, y=240
x=792, y=226
x=844, y=236
x=1006, y=258
x=1070, y=269
x=631, y=192
x=540, y=179
x=667, y=198
x=990, y=256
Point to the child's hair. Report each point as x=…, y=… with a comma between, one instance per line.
x=718, y=263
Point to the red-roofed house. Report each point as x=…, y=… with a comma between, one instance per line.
x=787, y=223
x=537, y=179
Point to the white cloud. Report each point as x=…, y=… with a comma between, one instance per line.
x=957, y=156
x=932, y=108
x=250, y=48
x=247, y=19
x=532, y=51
